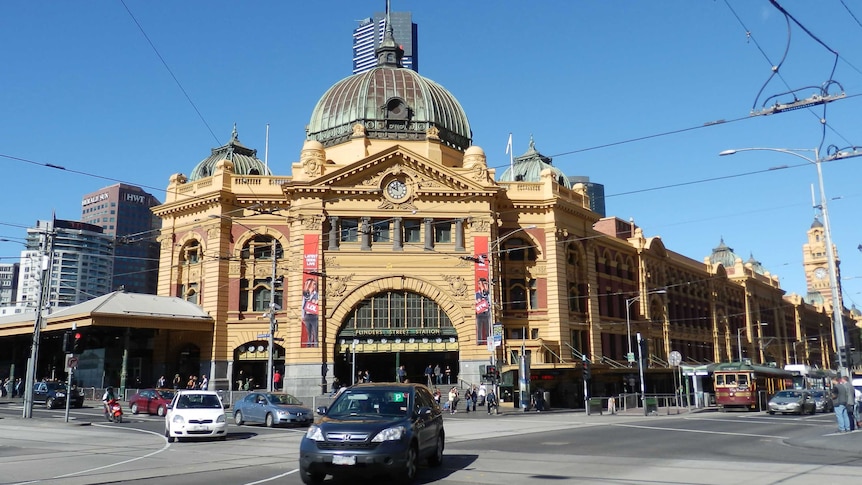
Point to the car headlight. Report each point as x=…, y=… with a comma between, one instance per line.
x=390, y=434
x=60, y=394
x=177, y=419
x=314, y=433
x=220, y=419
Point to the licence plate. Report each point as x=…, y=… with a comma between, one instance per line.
x=343, y=460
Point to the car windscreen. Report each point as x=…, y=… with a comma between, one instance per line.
x=283, y=399
x=167, y=395
x=198, y=401
x=788, y=394
x=363, y=402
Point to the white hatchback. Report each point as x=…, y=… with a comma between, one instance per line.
x=195, y=414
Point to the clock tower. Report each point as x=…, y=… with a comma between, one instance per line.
x=816, y=266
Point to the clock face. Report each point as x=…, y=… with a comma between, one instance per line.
x=396, y=189
x=820, y=273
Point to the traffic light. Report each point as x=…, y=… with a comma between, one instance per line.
x=845, y=356
x=77, y=346
x=644, y=351
x=588, y=373
x=68, y=342
x=491, y=372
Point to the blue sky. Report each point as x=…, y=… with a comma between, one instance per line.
x=619, y=91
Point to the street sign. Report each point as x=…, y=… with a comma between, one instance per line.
x=263, y=335
x=674, y=358
x=630, y=357
x=71, y=362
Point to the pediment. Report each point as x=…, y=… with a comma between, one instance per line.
x=421, y=174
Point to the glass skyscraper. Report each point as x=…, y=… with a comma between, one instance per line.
x=369, y=34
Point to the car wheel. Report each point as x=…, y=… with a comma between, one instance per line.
x=49, y=403
x=168, y=436
x=160, y=411
x=134, y=408
x=269, y=420
x=437, y=458
x=408, y=473
x=771, y=412
x=311, y=478
x=237, y=418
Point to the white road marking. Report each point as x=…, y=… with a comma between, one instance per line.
x=728, y=433
x=274, y=478
x=130, y=460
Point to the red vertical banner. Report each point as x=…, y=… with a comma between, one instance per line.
x=483, y=289
x=310, y=295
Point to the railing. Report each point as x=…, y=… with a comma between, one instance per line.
x=611, y=362
x=560, y=358
x=576, y=354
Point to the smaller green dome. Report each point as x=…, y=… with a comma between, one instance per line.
x=724, y=255
x=529, y=166
x=244, y=159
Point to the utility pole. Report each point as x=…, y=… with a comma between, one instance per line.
x=47, y=254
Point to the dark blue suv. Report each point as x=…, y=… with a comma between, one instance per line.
x=375, y=428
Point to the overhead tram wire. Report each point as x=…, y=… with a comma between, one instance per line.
x=164, y=63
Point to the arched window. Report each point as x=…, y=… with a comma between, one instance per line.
x=516, y=249
x=190, y=252
x=397, y=310
x=256, y=257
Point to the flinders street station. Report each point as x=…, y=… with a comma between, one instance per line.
x=391, y=242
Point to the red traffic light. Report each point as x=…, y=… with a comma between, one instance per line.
x=77, y=335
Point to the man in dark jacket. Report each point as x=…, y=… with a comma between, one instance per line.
x=839, y=400
x=851, y=402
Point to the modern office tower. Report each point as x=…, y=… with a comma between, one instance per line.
x=81, y=263
x=123, y=211
x=369, y=34
x=595, y=191
x=8, y=284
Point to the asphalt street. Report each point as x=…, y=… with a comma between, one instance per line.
x=512, y=448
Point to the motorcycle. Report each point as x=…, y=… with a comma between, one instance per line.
x=113, y=411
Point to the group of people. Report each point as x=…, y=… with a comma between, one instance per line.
x=846, y=401
x=474, y=397
x=192, y=383
x=12, y=388
x=434, y=375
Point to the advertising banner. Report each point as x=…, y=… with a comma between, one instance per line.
x=310, y=294
x=483, y=297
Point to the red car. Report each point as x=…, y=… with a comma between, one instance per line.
x=151, y=401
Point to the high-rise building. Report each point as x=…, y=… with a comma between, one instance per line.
x=369, y=34
x=82, y=261
x=123, y=211
x=595, y=191
x=8, y=284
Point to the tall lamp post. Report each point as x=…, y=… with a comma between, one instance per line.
x=837, y=305
x=46, y=264
x=630, y=357
x=739, y=337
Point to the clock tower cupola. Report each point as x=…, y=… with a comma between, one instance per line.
x=816, y=265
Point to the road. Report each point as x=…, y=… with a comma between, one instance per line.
x=556, y=447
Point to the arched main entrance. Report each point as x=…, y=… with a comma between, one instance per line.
x=250, y=360
x=394, y=328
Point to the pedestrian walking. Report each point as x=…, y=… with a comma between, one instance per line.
x=851, y=402
x=429, y=375
x=276, y=380
x=482, y=394
x=402, y=374
x=468, y=398
x=448, y=375
x=491, y=401
x=839, y=404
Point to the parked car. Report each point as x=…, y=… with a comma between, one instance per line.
x=271, y=409
x=53, y=395
x=374, y=428
x=794, y=401
x=151, y=401
x=822, y=401
x=195, y=414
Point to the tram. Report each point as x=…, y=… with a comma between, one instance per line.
x=807, y=377
x=747, y=386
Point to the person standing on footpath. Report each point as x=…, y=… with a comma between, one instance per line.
x=438, y=374
x=161, y=383
x=839, y=402
x=851, y=403
x=429, y=375
x=276, y=381
x=402, y=374
x=491, y=401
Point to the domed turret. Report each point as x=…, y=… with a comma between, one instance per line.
x=724, y=255
x=390, y=102
x=529, y=166
x=244, y=160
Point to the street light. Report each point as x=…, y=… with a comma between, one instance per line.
x=630, y=357
x=739, y=337
x=837, y=305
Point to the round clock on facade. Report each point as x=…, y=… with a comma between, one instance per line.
x=396, y=189
x=820, y=273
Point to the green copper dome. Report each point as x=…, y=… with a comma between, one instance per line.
x=724, y=255
x=245, y=161
x=529, y=166
x=390, y=102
